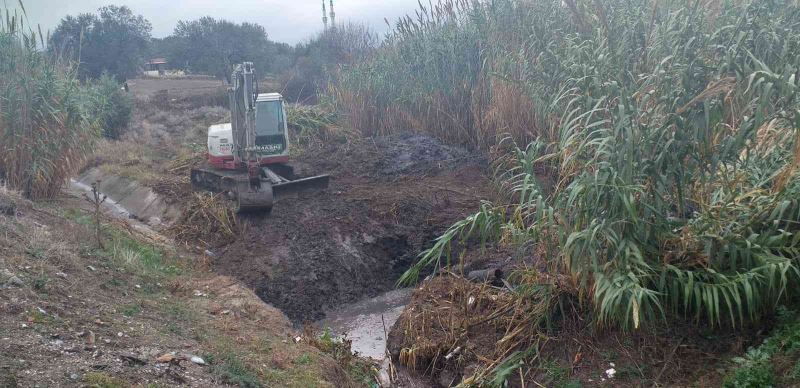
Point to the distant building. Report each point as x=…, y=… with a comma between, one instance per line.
x=155, y=67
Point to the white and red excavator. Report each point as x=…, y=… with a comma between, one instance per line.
x=248, y=157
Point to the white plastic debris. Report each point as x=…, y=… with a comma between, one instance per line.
x=197, y=360
x=610, y=372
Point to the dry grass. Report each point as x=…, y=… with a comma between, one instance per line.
x=207, y=218
x=454, y=322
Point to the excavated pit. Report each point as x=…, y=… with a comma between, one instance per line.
x=388, y=199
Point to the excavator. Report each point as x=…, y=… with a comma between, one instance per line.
x=247, y=158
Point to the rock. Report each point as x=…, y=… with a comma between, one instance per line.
x=14, y=281
x=74, y=376
x=133, y=359
x=197, y=360
x=91, y=268
x=9, y=279
x=61, y=275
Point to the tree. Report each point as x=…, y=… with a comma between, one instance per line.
x=315, y=60
x=212, y=46
x=115, y=41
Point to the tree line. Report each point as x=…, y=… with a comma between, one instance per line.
x=116, y=41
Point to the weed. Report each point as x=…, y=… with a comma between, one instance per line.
x=555, y=372
x=230, y=369
x=132, y=309
x=756, y=367
x=176, y=310
x=102, y=380
x=116, y=282
x=40, y=283
x=303, y=359
x=755, y=375
x=36, y=316
x=78, y=216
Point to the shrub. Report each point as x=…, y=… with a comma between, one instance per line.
x=757, y=375
x=109, y=104
x=45, y=131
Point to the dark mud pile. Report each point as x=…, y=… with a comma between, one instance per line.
x=388, y=199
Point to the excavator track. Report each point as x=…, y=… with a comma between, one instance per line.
x=249, y=198
x=259, y=197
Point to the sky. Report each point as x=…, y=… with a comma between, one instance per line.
x=289, y=21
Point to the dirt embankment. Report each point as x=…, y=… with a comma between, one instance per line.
x=388, y=199
x=132, y=312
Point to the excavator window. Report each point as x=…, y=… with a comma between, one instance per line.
x=270, y=126
x=269, y=118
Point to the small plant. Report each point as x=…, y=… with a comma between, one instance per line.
x=755, y=375
x=97, y=201
x=232, y=370
x=131, y=309
x=303, y=359
x=40, y=283
x=102, y=380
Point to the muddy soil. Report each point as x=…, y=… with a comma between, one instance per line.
x=388, y=199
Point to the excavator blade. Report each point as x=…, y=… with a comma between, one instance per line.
x=318, y=182
x=253, y=198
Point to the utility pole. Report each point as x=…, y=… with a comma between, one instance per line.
x=324, y=17
x=333, y=16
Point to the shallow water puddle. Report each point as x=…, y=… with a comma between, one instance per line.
x=363, y=322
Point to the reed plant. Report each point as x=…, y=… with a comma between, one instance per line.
x=649, y=148
x=45, y=130
x=648, y=151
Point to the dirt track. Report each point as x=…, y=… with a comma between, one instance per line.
x=388, y=199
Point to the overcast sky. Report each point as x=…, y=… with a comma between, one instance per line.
x=289, y=21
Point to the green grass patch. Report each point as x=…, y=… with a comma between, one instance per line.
x=132, y=309
x=303, y=359
x=231, y=369
x=758, y=367
x=102, y=380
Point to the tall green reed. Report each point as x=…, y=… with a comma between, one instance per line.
x=663, y=175
x=45, y=131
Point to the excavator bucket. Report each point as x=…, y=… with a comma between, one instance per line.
x=252, y=198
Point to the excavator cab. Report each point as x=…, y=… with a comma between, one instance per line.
x=271, y=128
